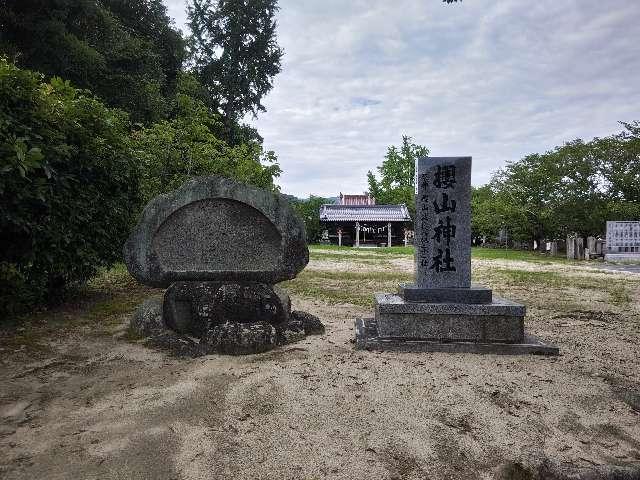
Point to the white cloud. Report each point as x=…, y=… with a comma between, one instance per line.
x=495, y=80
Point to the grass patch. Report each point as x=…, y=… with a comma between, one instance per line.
x=356, y=288
x=476, y=252
x=517, y=255
x=619, y=295
x=98, y=305
x=618, y=291
x=361, y=258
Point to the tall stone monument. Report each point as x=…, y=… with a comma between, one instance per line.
x=442, y=310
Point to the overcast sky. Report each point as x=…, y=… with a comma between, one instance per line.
x=491, y=79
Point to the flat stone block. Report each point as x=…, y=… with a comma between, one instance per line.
x=622, y=257
x=415, y=293
x=367, y=339
x=501, y=321
x=392, y=303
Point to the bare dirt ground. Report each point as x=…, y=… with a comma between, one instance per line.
x=87, y=402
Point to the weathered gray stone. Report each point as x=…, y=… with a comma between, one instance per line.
x=367, y=339
x=195, y=307
x=216, y=229
x=591, y=245
x=571, y=248
x=390, y=303
x=310, y=324
x=176, y=344
x=241, y=338
x=500, y=321
x=475, y=294
x=443, y=222
x=147, y=319
x=579, y=248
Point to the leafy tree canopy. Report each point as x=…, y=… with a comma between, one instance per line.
x=68, y=186
x=173, y=151
x=574, y=188
x=309, y=211
x=397, y=175
x=127, y=52
x=234, y=52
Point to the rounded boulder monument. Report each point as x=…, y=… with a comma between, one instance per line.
x=220, y=247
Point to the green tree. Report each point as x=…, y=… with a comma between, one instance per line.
x=234, y=52
x=173, y=151
x=618, y=161
x=68, y=186
x=124, y=51
x=309, y=211
x=397, y=175
x=574, y=188
x=526, y=194
x=486, y=213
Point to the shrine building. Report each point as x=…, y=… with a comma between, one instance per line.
x=356, y=220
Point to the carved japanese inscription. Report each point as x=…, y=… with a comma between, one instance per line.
x=443, y=222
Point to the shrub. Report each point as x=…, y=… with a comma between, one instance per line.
x=68, y=186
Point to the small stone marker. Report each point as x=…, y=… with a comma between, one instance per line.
x=442, y=310
x=220, y=246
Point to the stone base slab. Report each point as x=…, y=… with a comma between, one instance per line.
x=367, y=339
x=415, y=293
x=500, y=321
x=622, y=257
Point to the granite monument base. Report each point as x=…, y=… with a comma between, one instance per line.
x=415, y=293
x=367, y=339
x=496, y=327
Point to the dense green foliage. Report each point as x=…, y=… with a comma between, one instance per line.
x=397, y=175
x=124, y=51
x=574, y=188
x=309, y=210
x=172, y=151
x=68, y=186
x=234, y=52
x=75, y=169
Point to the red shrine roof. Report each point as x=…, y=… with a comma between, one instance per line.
x=364, y=213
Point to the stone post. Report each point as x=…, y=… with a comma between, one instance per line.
x=591, y=247
x=553, y=250
x=580, y=248
x=389, y=234
x=339, y=237
x=406, y=240
x=571, y=248
x=443, y=223
x=357, y=234
x=443, y=234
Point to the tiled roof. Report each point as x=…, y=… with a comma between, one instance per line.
x=364, y=213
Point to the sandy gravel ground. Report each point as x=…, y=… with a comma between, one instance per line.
x=100, y=407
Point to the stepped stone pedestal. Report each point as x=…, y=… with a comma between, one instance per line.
x=442, y=311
